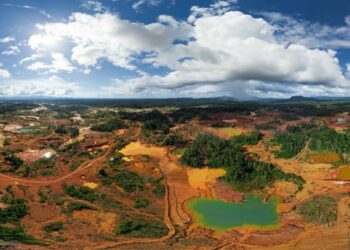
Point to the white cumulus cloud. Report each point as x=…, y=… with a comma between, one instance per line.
x=7, y=39
x=4, y=73
x=217, y=48
x=11, y=51
x=59, y=63
x=138, y=4
x=53, y=86
x=93, y=5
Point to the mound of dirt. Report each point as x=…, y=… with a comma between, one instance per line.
x=42, y=212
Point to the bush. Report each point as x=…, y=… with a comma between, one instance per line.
x=74, y=132
x=16, y=210
x=61, y=130
x=159, y=188
x=174, y=140
x=14, y=161
x=53, y=227
x=18, y=234
x=78, y=206
x=141, y=228
x=83, y=193
x=141, y=203
x=129, y=181
x=321, y=210
x=251, y=138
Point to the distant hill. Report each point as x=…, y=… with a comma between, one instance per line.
x=300, y=98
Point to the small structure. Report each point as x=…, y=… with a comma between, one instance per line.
x=38, y=109
x=31, y=156
x=13, y=128
x=77, y=119
x=341, y=120
x=48, y=155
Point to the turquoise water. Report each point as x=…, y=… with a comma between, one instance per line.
x=220, y=215
x=24, y=130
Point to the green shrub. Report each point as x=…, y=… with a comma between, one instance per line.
x=16, y=210
x=174, y=140
x=74, y=132
x=53, y=227
x=142, y=203
x=251, y=138
x=61, y=130
x=78, y=206
x=14, y=161
x=159, y=188
x=18, y=234
x=83, y=193
x=141, y=228
x=129, y=181
x=320, y=209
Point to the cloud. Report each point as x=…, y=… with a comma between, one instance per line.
x=11, y=51
x=347, y=20
x=276, y=90
x=7, y=39
x=216, y=56
x=138, y=4
x=33, y=57
x=28, y=7
x=53, y=86
x=4, y=73
x=59, y=63
x=311, y=35
x=216, y=49
x=93, y=5
x=107, y=36
x=42, y=42
x=219, y=7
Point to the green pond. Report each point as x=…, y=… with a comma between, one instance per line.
x=253, y=212
x=24, y=130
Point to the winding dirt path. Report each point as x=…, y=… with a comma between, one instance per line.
x=80, y=169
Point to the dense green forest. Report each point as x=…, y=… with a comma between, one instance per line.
x=109, y=126
x=243, y=172
x=322, y=138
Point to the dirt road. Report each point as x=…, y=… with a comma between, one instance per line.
x=80, y=169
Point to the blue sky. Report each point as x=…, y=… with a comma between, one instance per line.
x=173, y=48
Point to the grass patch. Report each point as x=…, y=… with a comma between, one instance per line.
x=141, y=228
x=108, y=203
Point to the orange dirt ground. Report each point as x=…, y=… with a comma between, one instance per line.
x=183, y=184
